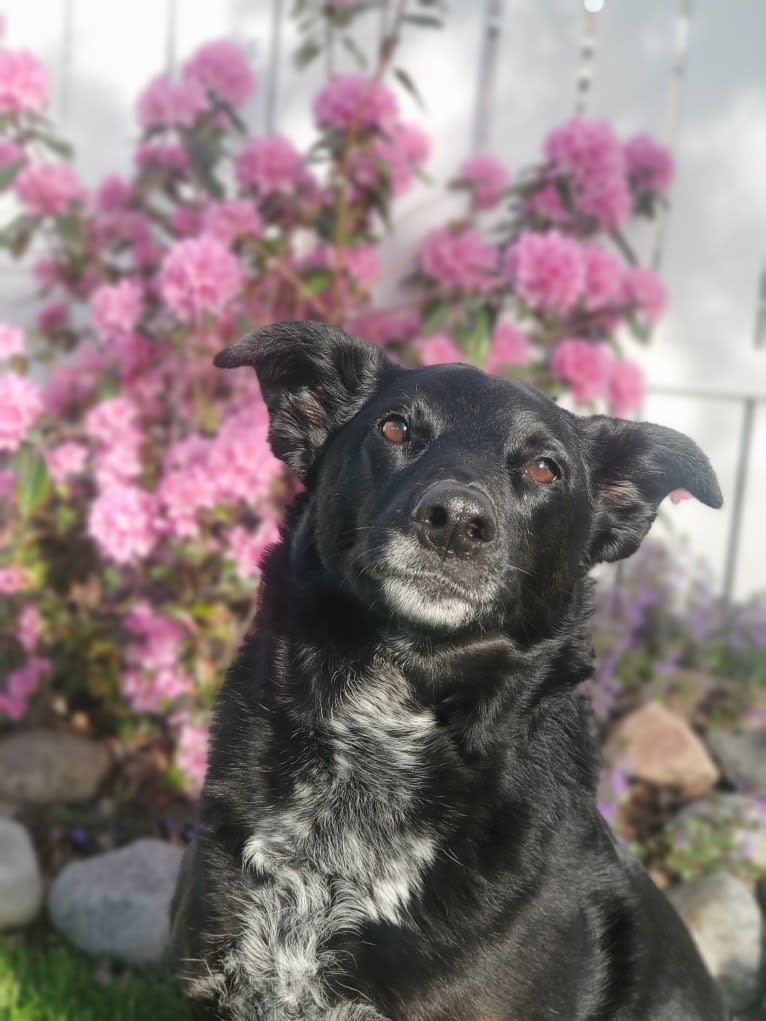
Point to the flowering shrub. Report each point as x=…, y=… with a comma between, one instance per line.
x=143, y=489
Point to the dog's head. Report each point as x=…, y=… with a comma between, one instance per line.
x=448, y=498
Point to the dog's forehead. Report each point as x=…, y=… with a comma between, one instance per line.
x=462, y=392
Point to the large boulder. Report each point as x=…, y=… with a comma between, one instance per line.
x=117, y=904
x=45, y=766
x=727, y=926
x=741, y=756
x=741, y=814
x=657, y=746
x=21, y=885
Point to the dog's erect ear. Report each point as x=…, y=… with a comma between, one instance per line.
x=633, y=467
x=313, y=377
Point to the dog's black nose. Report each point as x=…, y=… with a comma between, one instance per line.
x=455, y=518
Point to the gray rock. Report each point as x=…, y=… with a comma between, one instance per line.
x=21, y=885
x=44, y=766
x=741, y=756
x=726, y=924
x=117, y=904
x=741, y=813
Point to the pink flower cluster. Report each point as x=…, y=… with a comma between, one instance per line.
x=510, y=347
x=220, y=67
x=116, y=309
x=355, y=101
x=437, y=349
x=152, y=678
x=20, y=405
x=270, y=164
x=390, y=159
x=24, y=86
x=13, y=579
x=199, y=276
x=650, y=166
x=487, y=179
x=11, y=340
x=191, y=753
x=65, y=460
x=459, y=260
x=587, y=155
x=546, y=270
x=247, y=548
x=121, y=520
x=47, y=189
x=643, y=289
x=20, y=684
x=591, y=372
x=166, y=104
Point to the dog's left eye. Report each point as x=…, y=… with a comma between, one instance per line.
x=543, y=470
x=395, y=429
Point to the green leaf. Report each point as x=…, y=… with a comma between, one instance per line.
x=435, y=318
x=58, y=145
x=306, y=52
x=353, y=48
x=424, y=20
x=410, y=86
x=318, y=281
x=32, y=481
x=8, y=174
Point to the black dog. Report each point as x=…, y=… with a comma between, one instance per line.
x=399, y=819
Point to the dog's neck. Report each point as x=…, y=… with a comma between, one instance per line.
x=483, y=685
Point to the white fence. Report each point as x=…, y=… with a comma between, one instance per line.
x=498, y=76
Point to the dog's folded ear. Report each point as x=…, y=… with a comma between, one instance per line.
x=313, y=378
x=633, y=467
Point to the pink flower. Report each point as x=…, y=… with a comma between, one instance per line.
x=11, y=340
x=626, y=386
x=168, y=156
x=487, y=178
x=13, y=579
x=20, y=404
x=65, y=460
x=246, y=548
x=116, y=309
x=650, y=165
x=24, y=86
x=164, y=104
x=53, y=317
x=230, y=220
x=20, y=684
x=391, y=159
x=113, y=194
x=221, y=67
x=461, y=261
x=589, y=156
x=118, y=461
x=585, y=367
x=437, y=349
x=186, y=221
x=110, y=419
x=269, y=165
x=381, y=325
x=509, y=347
x=547, y=270
x=198, y=276
x=10, y=152
x=191, y=753
x=47, y=189
x=30, y=627
x=354, y=100
x=152, y=677
x=642, y=288
x=121, y=521
x=603, y=273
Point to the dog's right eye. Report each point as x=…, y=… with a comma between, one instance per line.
x=395, y=429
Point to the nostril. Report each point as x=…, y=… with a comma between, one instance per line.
x=435, y=517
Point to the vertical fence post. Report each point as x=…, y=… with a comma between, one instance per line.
x=738, y=500
x=485, y=84
x=587, y=65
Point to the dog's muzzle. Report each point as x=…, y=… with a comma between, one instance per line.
x=455, y=519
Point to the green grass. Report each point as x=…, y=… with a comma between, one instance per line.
x=55, y=983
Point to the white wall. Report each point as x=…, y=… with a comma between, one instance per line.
x=100, y=54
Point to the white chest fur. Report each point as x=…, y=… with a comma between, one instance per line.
x=344, y=851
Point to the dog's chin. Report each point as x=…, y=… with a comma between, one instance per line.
x=421, y=606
